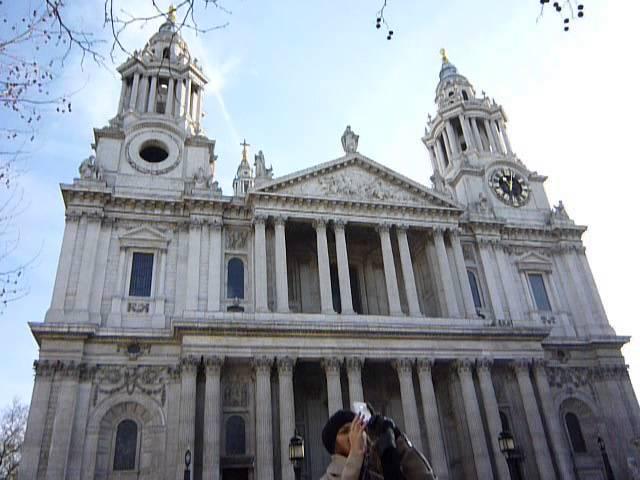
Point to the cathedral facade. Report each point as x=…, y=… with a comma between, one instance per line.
x=183, y=319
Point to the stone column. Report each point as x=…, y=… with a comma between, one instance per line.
x=187, y=436
x=79, y=430
x=143, y=90
x=324, y=273
x=440, y=153
x=486, y=257
x=496, y=135
x=466, y=132
x=447, y=145
x=123, y=93
x=343, y=268
x=532, y=414
x=474, y=419
x=260, y=264
x=282, y=285
x=334, y=390
x=492, y=140
x=389, y=271
x=505, y=137
x=558, y=442
x=476, y=133
x=600, y=316
x=179, y=104
x=37, y=418
x=493, y=416
x=404, y=368
x=215, y=266
x=87, y=264
x=458, y=255
x=193, y=265
x=153, y=87
x=438, y=456
x=187, y=98
x=212, y=413
x=451, y=135
x=64, y=263
x=354, y=373
x=287, y=414
x=445, y=273
x=168, y=109
x=506, y=272
x=264, y=436
x=67, y=374
x=407, y=271
x=134, y=91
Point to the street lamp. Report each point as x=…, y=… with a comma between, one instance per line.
x=296, y=453
x=187, y=462
x=511, y=453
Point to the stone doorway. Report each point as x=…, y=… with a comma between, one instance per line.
x=235, y=474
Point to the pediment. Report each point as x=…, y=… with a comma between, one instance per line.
x=534, y=261
x=144, y=237
x=356, y=178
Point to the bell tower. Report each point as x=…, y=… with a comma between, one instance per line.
x=155, y=143
x=471, y=154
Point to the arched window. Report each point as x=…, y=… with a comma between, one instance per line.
x=575, y=433
x=165, y=53
x=235, y=278
x=235, y=436
x=124, y=457
x=464, y=95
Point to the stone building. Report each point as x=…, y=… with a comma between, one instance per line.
x=183, y=319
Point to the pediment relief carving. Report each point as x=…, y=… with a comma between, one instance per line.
x=534, y=261
x=144, y=237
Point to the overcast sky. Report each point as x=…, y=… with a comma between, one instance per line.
x=289, y=76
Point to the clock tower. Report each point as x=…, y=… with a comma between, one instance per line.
x=472, y=157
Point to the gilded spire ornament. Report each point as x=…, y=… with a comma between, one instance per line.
x=444, y=55
x=171, y=15
x=244, y=146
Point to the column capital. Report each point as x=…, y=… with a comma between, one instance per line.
x=425, y=364
x=540, y=363
x=213, y=364
x=259, y=219
x=339, y=223
x=280, y=220
x=521, y=365
x=189, y=364
x=214, y=224
x=403, y=366
x=402, y=227
x=285, y=365
x=383, y=227
x=354, y=364
x=319, y=223
x=43, y=368
x=331, y=364
x=262, y=364
x=70, y=370
x=484, y=363
x=463, y=366
x=438, y=230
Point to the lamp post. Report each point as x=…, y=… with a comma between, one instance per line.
x=296, y=453
x=187, y=462
x=511, y=453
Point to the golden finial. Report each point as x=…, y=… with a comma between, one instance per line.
x=172, y=14
x=244, y=146
x=444, y=56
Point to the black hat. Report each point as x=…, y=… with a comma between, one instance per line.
x=330, y=430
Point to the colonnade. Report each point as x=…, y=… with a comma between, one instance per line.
x=452, y=279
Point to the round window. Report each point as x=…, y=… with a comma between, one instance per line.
x=153, y=152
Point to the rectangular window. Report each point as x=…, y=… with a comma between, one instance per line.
x=539, y=291
x=141, y=275
x=475, y=289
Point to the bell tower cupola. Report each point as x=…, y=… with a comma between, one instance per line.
x=244, y=179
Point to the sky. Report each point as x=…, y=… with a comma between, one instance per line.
x=289, y=76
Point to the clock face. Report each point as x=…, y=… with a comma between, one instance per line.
x=509, y=186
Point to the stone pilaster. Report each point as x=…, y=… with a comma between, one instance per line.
x=404, y=368
x=343, y=268
x=493, y=415
x=438, y=456
x=212, y=424
x=334, y=390
x=260, y=262
x=134, y=91
x=282, y=286
x=37, y=418
x=186, y=439
x=532, y=414
x=468, y=137
x=64, y=262
x=215, y=264
x=558, y=443
x=407, y=271
x=476, y=133
x=151, y=104
x=474, y=419
x=87, y=265
x=445, y=273
x=67, y=374
x=451, y=136
x=354, y=373
x=193, y=265
x=488, y=265
x=505, y=137
x=264, y=435
x=391, y=280
x=169, y=107
x=79, y=431
x=458, y=256
x=324, y=273
x=287, y=414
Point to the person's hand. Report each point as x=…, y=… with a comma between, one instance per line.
x=357, y=435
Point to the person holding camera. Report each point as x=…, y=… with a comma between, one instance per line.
x=371, y=450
